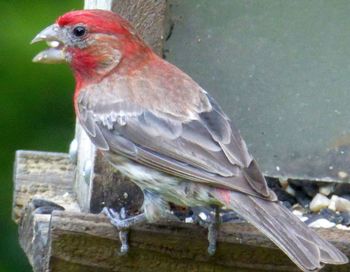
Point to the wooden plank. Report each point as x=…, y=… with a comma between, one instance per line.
x=33, y=236
x=73, y=241
x=88, y=241
x=86, y=153
x=42, y=175
x=149, y=17
x=98, y=4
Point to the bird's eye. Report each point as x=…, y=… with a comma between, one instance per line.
x=79, y=31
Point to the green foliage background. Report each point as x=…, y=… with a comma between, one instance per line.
x=35, y=105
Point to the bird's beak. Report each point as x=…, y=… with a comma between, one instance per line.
x=54, y=38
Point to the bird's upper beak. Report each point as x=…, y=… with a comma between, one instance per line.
x=54, y=37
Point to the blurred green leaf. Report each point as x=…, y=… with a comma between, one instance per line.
x=36, y=104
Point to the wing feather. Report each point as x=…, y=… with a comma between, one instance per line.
x=171, y=146
x=187, y=134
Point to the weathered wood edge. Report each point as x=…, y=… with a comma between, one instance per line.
x=33, y=236
x=74, y=239
x=40, y=175
x=89, y=240
x=47, y=175
x=149, y=17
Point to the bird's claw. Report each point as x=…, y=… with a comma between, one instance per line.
x=212, y=237
x=210, y=219
x=115, y=218
x=123, y=224
x=124, y=248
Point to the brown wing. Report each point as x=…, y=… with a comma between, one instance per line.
x=202, y=147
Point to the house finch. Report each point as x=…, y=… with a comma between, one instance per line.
x=160, y=128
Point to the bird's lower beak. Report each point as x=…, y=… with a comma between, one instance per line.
x=54, y=38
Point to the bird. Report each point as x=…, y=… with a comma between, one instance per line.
x=159, y=127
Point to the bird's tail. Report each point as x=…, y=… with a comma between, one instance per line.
x=302, y=245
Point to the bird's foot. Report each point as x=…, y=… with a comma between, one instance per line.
x=210, y=219
x=123, y=224
x=212, y=237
